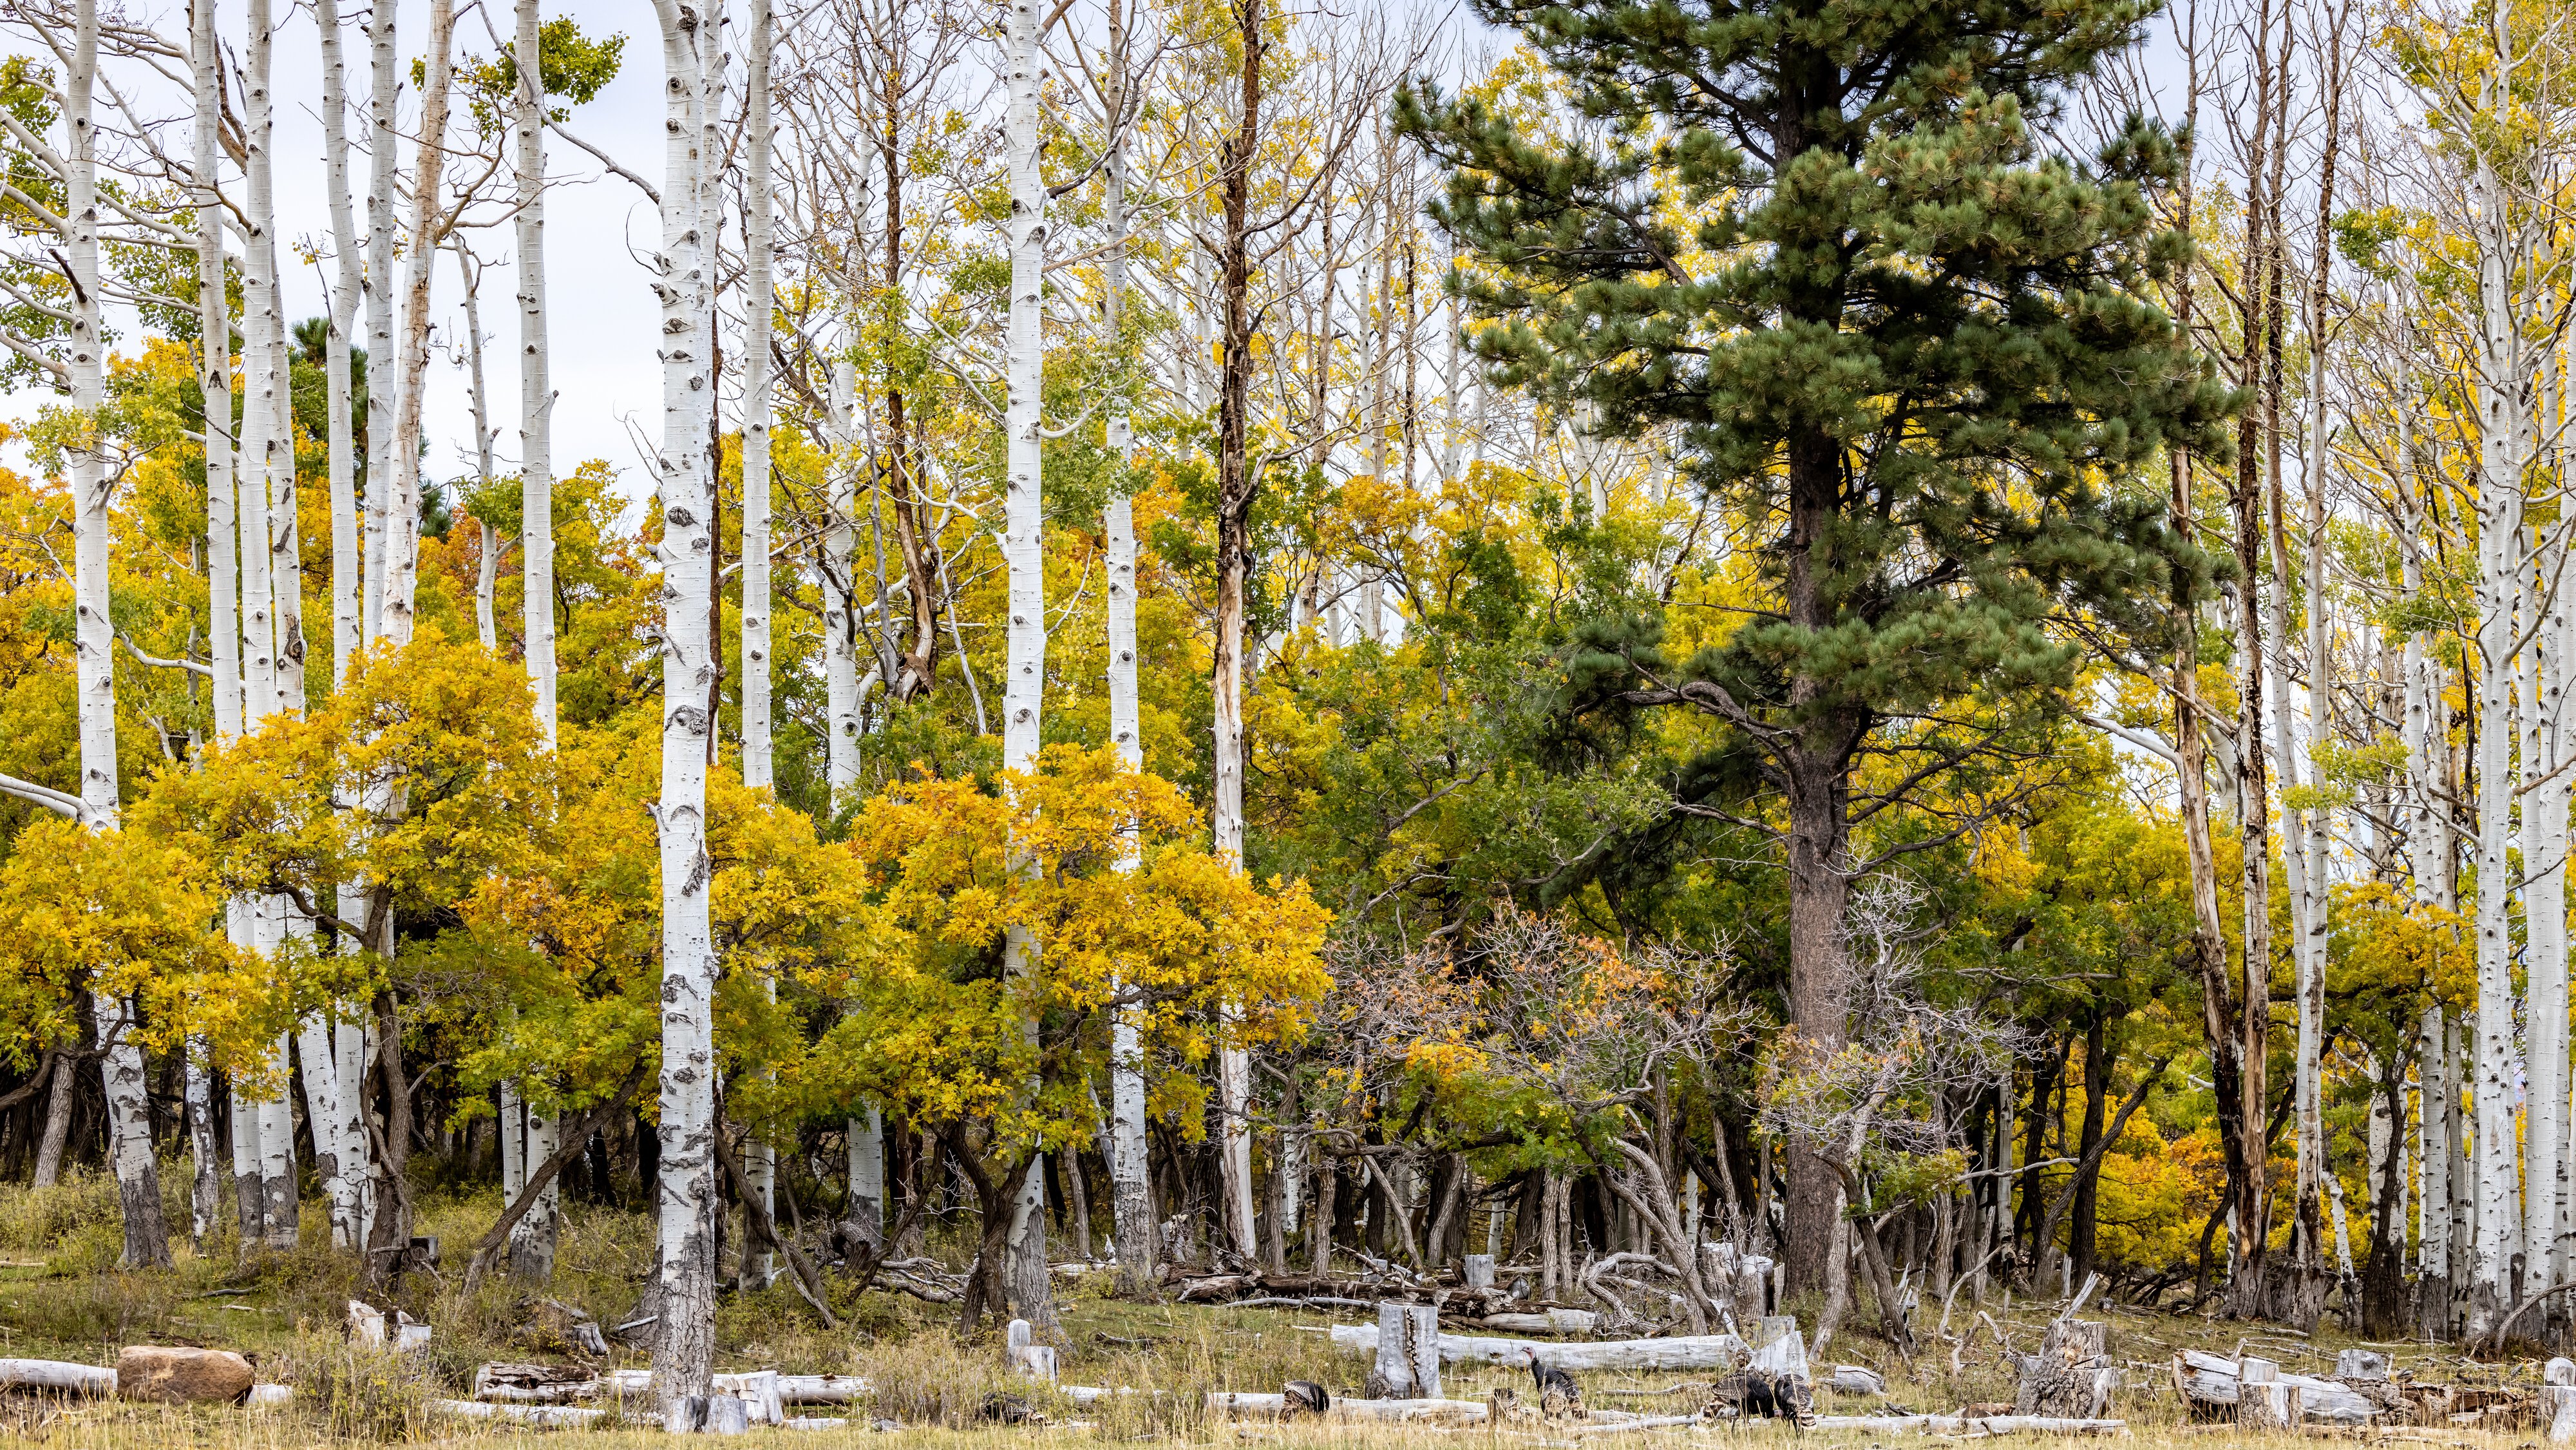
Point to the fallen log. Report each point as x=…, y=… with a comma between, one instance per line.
x=1551, y=1321
x=1244, y=1405
x=792, y=1389
x=552, y=1417
x=1969, y=1424
x=1696, y=1351
x=58, y=1376
x=1853, y=1379
x=2211, y=1386
x=1647, y=1422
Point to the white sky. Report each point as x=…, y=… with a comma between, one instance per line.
x=604, y=320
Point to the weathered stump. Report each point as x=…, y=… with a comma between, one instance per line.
x=1408, y=1351
x=2067, y=1378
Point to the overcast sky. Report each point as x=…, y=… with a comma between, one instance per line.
x=604, y=318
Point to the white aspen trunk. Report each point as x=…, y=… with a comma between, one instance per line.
x=536, y=388
x=1131, y=1199
x=270, y=1136
x=684, y=1288
x=340, y=1160
x=2301, y=890
x=223, y=584
x=384, y=369
x=841, y=700
x=867, y=1174
x=2559, y=623
x=2433, y=1162
x=2500, y=381
x=513, y=1135
x=842, y=706
x=760, y=1159
x=487, y=572
x=411, y=369
x=1023, y=546
x=2544, y=869
x=532, y=1238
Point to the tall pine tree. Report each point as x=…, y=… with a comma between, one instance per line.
x=1824, y=244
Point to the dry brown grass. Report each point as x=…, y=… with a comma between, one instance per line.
x=60, y=1297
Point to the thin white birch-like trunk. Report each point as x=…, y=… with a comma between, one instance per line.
x=1023, y=547
x=2296, y=869
x=340, y=1148
x=2544, y=874
x=1132, y=1220
x=760, y=1159
x=841, y=703
x=271, y=1133
x=384, y=367
x=684, y=1297
x=138, y=1184
x=286, y=589
x=223, y=584
x=411, y=369
x=2500, y=382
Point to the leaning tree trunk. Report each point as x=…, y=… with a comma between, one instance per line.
x=684, y=1335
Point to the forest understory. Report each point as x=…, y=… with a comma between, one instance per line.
x=285, y=1310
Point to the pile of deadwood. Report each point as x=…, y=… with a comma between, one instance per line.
x=2253, y=1391
x=182, y=1375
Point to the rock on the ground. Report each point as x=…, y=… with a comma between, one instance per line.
x=182, y=1376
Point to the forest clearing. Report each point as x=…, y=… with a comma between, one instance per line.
x=1234, y=719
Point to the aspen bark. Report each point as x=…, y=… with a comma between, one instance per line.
x=384, y=369
x=684, y=1334
x=1023, y=550
x=1237, y=487
x=1132, y=1210
x=411, y=368
x=2501, y=382
x=760, y=1159
x=223, y=584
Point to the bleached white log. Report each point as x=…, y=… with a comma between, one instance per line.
x=268, y=1396
x=1696, y=1351
x=1552, y=1321
x=57, y=1375
x=2212, y=1379
x=550, y=1416
x=1968, y=1425
x=1853, y=1379
x=1230, y=1403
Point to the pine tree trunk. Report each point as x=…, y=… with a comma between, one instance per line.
x=684, y=1288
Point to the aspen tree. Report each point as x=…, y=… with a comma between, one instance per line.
x=1131, y=1195
x=223, y=585
x=760, y=1163
x=1024, y=543
x=684, y=1283
x=339, y=1134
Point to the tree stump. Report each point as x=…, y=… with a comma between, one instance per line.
x=2262, y=1401
x=2558, y=1411
x=2065, y=1380
x=1408, y=1351
x=1480, y=1271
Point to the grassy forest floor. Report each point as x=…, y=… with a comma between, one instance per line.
x=62, y=1298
